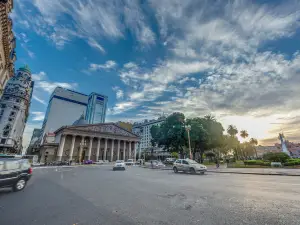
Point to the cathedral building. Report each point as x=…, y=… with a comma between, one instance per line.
x=14, y=110
x=7, y=44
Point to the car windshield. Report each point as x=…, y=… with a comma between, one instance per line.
x=130, y=160
x=119, y=161
x=191, y=161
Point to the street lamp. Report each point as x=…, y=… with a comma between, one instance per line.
x=188, y=128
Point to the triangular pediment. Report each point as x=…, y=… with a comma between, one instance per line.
x=104, y=128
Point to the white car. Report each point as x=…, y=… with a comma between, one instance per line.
x=129, y=162
x=119, y=165
x=188, y=165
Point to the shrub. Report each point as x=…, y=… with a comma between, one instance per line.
x=292, y=162
x=253, y=162
x=276, y=157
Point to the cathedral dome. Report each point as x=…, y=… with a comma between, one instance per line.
x=25, y=69
x=80, y=121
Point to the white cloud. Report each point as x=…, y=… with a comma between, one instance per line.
x=106, y=66
x=90, y=20
x=130, y=65
x=38, y=116
x=42, y=83
x=39, y=76
x=39, y=100
x=121, y=107
x=50, y=86
x=119, y=92
x=93, y=43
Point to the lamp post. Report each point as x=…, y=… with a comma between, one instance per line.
x=188, y=128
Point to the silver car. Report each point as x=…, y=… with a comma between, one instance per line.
x=188, y=165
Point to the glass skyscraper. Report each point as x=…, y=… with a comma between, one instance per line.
x=96, y=108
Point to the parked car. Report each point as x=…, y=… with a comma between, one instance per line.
x=129, y=162
x=88, y=162
x=188, y=165
x=158, y=164
x=14, y=173
x=99, y=162
x=119, y=165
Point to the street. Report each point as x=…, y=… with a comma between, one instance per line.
x=97, y=195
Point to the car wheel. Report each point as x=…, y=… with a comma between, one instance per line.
x=114, y=169
x=20, y=185
x=192, y=171
x=202, y=173
x=175, y=170
x=123, y=168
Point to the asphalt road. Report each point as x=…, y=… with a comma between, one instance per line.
x=97, y=195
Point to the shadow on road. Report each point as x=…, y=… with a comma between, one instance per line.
x=5, y=191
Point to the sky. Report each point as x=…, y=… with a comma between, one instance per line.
x=237, y=60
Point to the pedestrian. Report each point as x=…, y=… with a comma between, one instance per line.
x=217, y=163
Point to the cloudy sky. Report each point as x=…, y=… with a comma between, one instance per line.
x=238, y=60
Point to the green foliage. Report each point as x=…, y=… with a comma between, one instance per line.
x=292, y=162
x=171, y=133
x=174, y=155
x=254, y=162
x=232, y=130
x=276, y=157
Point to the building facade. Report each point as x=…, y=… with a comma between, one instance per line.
x=104, y=141
x=14, y=110
x=35, y=136
x=143, y=131
x=65, y=106
x=96, y=108
x=7, y=44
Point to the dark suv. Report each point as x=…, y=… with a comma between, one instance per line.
x=14, y=173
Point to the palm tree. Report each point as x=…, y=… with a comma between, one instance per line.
x=232, y=130
x=244, y=134
x=254, y=142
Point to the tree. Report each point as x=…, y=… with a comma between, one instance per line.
x=170, y=134
x=232, y=130
x=254, y=142
x=210, y=155
x=244, y=134
x=206, y=134
x=276, y=157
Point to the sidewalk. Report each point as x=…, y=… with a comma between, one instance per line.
x=257, y=171
x=254, y=171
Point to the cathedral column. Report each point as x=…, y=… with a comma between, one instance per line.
x=72, y=147
x=98, y=149
x=134, y=146
x=112, y=150
x=105, y=149
x=129, y=154
x=61, y=147
x=124, y=151
x=118, y=153
x=90, y=148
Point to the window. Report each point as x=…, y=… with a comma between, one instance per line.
x=12, y=165
x=185, y=162
x=1, y=165
x=3, y=141
x=178, y=161
x=1, y=112
x=12, y=113
x=10, y=119
x=18, y=100
x=3, y=106
x=6, y=98
x=16, y=107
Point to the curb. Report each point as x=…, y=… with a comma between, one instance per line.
x=233, y=172
x=252, y=173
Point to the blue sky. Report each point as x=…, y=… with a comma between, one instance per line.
x=238, y=60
